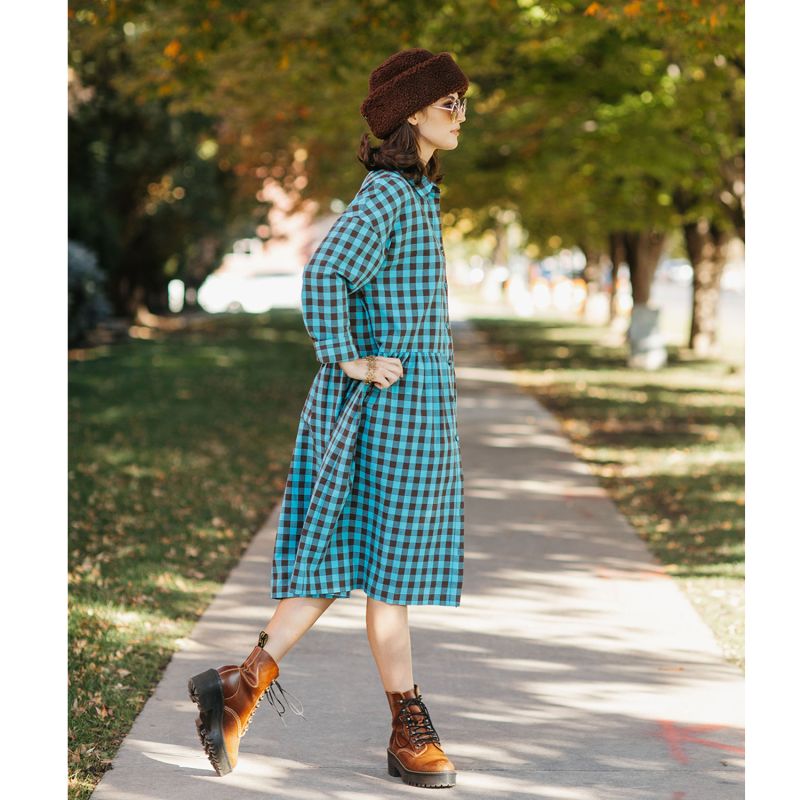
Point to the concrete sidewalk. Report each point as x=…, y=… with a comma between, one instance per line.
x=575, y=668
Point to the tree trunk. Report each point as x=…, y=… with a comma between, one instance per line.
x=500, y=255
x=616, y=249
x=642, y=252
x=707, y=247
x=156, y=299
x=594, y=305
x=126, y=296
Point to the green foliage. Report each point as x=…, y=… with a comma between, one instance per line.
x=587, y=123
x=584, y=117
x=145, y=189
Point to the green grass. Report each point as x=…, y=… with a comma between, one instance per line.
x=178, y=449
x=667, y=445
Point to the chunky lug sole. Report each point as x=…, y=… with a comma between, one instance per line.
x=205, y=690
x=430, y=780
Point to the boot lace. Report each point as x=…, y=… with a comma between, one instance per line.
x=273, y=699
x=417, y=723
x=272, y=696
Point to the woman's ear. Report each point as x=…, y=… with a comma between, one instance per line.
x=414, y=119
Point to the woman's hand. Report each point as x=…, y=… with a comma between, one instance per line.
x=387, y=370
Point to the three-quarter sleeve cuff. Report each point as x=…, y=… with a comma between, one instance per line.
x=331, y=351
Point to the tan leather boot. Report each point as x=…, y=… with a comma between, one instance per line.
x=415, y=753
x=227, y=698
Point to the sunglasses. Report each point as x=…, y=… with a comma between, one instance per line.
x=455, y=107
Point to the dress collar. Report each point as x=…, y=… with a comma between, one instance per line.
x=427, y=187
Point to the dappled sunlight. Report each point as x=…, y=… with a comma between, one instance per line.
x=518, y=434
x=250, y=774
x=579, y=678
x=558, y=632
x=487, y=488
x=667, y=446
x=487, y=375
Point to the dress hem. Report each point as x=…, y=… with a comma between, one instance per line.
x=344, y=594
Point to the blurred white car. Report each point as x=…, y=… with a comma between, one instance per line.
x=733, y=277
x=678, y=270
x=252, y=293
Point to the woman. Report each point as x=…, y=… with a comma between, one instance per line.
x=374, y=497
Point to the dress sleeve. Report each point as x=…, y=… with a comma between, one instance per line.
x=351, y=254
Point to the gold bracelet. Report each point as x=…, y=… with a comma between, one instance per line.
x=370, y=376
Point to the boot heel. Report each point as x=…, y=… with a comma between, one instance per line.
x=205, y=691
x=393, y=771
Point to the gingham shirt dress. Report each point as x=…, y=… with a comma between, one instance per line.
x=374, y=499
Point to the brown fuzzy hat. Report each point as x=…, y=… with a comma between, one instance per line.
x=406, y=82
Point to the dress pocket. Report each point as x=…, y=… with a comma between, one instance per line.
x=312, y=406
x=449, y=400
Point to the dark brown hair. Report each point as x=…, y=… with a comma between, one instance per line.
x=399, y=152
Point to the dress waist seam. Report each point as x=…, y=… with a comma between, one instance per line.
x=433, y=355
x=443, y=353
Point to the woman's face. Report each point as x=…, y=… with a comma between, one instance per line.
x=437, y=130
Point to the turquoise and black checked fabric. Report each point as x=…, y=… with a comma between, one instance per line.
x=374, y=499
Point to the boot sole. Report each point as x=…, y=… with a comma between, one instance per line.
x=205, y=690
x=430, y=780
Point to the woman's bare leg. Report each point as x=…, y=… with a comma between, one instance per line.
x=390, y=640
x=292, y=618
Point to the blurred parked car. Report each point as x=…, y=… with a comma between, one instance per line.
x=251, y=293
x=677, y=270
x=733, y=277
